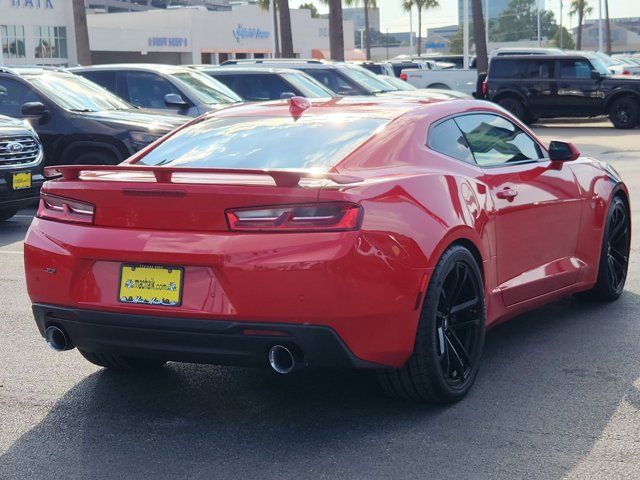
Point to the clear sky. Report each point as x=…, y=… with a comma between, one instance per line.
x=395, y=20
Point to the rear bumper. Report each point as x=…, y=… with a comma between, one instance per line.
x=195, y=340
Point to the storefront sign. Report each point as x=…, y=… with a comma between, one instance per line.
x=33, y=3
x=243, y=33
x=177, y=42
x=434, y=45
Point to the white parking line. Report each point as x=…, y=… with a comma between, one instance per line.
x=11, y=252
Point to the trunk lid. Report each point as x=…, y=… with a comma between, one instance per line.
x=183, y=199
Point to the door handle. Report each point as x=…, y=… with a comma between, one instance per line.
x=507, y=193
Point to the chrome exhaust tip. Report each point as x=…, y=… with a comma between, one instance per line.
x=281, y=359
x=57, y=339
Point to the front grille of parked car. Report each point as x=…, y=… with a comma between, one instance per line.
x=19, y=151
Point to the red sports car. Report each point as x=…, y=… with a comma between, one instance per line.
x=348, y=233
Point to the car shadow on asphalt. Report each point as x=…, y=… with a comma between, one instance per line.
x=550, y=382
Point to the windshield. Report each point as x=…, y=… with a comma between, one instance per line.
x=599, y=66
x=77, y=94
x=265, y=142
x=307, y=85
x=205, y=89
x=398, y=83
x=366, y=78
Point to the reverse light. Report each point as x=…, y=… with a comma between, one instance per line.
x=318, y=217
x=63, y=209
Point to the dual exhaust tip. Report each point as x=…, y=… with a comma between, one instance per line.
x=57, y=339
x=281, y=358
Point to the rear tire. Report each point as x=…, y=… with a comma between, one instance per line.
x=119, y=362
x=441, y=86
x=624, y=113
x=7, y=213
x=514, y=107
x=450, y=335
x=614, y=255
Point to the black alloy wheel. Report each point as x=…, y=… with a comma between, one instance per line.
x=617, y=247
x=458, y=324
x=614, y=254
x=450, y=335
x=624, y=113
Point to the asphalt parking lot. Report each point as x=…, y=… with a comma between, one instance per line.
x=557, y=396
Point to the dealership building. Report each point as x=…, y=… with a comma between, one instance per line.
x=42, y=32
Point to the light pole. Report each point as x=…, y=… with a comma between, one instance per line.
x=539, y=32
x=465, y=34
x=411, y=51
x=561, y=31
x=600, y=34
x=487, y=15
x=272, y=9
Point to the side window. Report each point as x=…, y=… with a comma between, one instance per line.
x=507, y=68
x=495, y=140
x=538, y=69
x=580, y=69
x=446, y=138
x=333, y=81
x=106, y=79
x=147, y=90
x=13, y=95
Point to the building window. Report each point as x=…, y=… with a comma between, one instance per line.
x=51, y=42
x=12, y=37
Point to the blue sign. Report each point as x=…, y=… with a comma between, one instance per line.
x=33, y=3
x=178, y=42
x=434, y=45
x=242, y=33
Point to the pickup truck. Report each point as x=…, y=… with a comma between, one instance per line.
x=450, y=79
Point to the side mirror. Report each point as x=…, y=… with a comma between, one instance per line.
x=287, y=95
x=175, y=100
x=34, y=109
x=563, y=151
x=595, y=75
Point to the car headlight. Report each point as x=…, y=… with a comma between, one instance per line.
x=142, y=139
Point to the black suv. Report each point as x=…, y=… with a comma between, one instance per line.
x=79, y=122
x=551, y=86
x=20, y=166
x=176, y=89
x=260, y=84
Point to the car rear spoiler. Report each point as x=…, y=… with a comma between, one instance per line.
x=163, y=174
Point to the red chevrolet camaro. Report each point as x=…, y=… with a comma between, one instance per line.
x=351, y=233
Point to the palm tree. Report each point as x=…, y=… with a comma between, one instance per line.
x=607, y=27
x=479, y=37
x=366, y=4
x=266, y=5
x=420, y=5
x=581, y=8
x=286, y=36
x=82, y=32
x=336, y=34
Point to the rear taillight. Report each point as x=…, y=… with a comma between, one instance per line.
x=403, y=76
x=626, y=72
x=319, y=217
x=485, y=87
x=64, y=209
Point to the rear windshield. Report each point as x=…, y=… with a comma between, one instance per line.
x=265, y=142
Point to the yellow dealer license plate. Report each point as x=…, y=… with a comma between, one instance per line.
x=151, y=285
x=21, y=180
